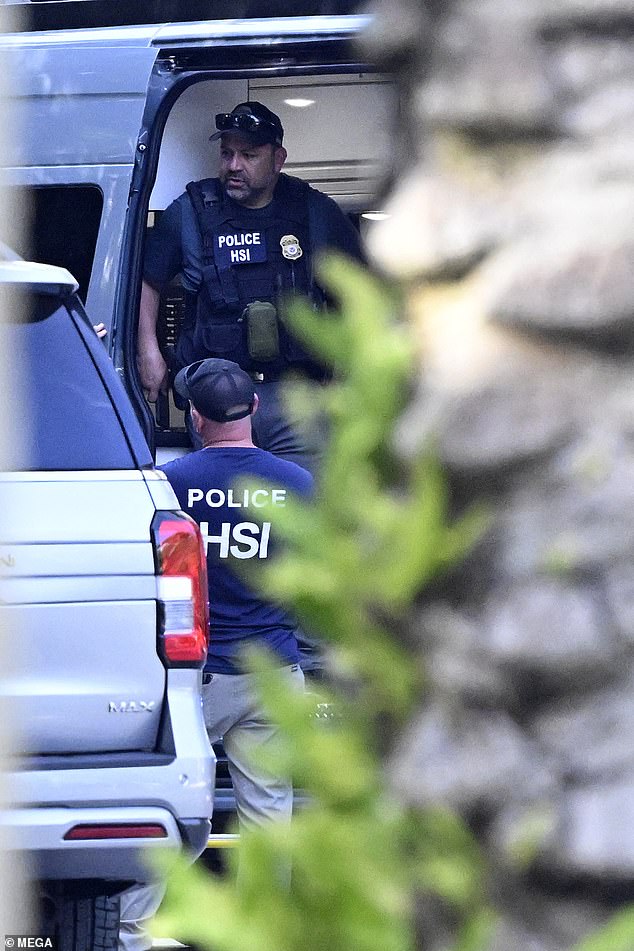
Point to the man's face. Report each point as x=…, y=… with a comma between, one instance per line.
x=249, y=172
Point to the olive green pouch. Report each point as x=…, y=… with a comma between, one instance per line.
x=263, y=339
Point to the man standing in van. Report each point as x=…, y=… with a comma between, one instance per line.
x=242, y=241
x=212, y=485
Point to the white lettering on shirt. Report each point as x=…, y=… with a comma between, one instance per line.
x=222, y=539
x=233, y=499
x=249, y=539
x=245, y=539
x=239, y=240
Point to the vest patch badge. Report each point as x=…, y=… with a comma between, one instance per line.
x=240, y=247
x=290, y=247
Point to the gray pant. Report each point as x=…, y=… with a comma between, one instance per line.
x=232, y=713
x=139, y=904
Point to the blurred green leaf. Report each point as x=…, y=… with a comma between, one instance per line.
x=618, y=935
x=477, y=931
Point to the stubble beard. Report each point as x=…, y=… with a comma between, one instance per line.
x=247, y=195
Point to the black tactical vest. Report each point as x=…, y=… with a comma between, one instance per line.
x=250, y=257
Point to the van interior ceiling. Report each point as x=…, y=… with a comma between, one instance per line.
x=337, y=134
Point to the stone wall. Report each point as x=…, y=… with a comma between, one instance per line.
x=512, y=222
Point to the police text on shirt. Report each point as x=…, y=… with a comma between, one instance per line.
x=240, y=247
x=245, y=539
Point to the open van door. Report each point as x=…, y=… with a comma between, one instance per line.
x=93, y=105
x=205, y=68
x=76, y=101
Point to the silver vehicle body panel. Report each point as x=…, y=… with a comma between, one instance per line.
x=159, y=488
x=73, y=707
x=103, y=96
x=53, y=800
x=41, y=832
x=77, y=579
x=145, y=785
x=266, y=30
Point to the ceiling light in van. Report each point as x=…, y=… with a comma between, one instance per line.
x=375, y=215
x=299, y=103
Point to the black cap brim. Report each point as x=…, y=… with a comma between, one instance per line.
x=180, y=383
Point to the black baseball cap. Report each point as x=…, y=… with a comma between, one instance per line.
x=219, y=389
x=252, y=119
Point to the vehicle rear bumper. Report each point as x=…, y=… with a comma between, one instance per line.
x=42, y=833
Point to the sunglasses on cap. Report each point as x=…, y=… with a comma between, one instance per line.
x=245, y=122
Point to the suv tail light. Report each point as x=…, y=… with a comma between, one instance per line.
x=181, y=568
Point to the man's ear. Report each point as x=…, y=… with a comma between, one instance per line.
x=279, y=157
x=197, y=419
x=256, y=403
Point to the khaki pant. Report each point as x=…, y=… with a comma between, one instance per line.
x=232, y=713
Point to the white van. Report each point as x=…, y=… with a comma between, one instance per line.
x=116, y=120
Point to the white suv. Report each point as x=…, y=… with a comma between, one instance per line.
x=103, y=591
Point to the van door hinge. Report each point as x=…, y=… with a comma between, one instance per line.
x=167, y=65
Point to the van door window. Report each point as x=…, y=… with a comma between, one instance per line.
x=63, y=225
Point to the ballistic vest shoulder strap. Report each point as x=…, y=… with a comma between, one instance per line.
x=294, y=194
x=296, y=198
x=206, y=198
x=318, y=239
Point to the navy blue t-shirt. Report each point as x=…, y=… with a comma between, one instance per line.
x=210, y=486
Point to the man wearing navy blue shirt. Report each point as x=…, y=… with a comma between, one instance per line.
x=224, y=486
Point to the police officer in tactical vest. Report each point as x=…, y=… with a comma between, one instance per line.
x=242, y=241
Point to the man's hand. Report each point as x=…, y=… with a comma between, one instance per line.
x=149, y=359
x=152, y=370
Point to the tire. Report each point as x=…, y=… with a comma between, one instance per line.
x=84, y=924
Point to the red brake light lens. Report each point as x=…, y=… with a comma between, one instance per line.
x=88, y=833
x=182, y=590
